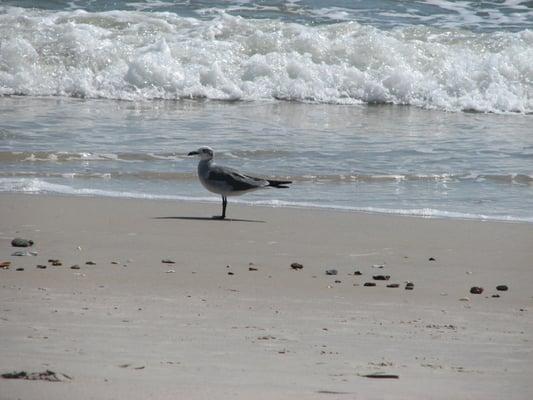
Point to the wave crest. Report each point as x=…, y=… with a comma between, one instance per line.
x=141, y=56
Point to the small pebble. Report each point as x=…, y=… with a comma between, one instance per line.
x=495, y=295
x=476, y=290
x=358, y=273
x=331, y=272
x=337, y=281
x=296, y=266
x=90, y=263
x=230, y=273
x=252, y=269
x=57, y=263
x=369, y=284
x=409, y=286
x=114, y=262
x=40, y=266
x=381, y=277
x=464, y=299
x=393, y=285
x=502, y=288
x=432, y=259
x=5, y=264
x=167, y=261
x=75, y=266
x=20, y=269
x=19, y=242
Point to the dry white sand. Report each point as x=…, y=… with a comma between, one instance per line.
x=136, y=330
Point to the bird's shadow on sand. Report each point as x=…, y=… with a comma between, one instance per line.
x=212, y=219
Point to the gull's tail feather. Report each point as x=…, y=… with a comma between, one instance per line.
x=279, y=184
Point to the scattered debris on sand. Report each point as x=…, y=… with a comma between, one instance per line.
x=47, y=375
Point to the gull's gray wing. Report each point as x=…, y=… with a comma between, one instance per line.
x=234, y=179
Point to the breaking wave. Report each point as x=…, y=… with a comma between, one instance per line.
x=136, y=55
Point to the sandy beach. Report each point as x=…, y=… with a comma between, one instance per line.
x=230, y=318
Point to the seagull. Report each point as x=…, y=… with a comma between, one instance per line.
x=228, y=181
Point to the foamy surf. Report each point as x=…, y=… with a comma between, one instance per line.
x=136, y=55
x=39, y=186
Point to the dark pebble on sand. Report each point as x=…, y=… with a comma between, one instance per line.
x=476, y=290
x=381, y=277
x=90, y=263
x=296, y=266
x=331, y=272
x=393, y=285
x=19, y=242
x=76, y=266
x=357, y=273
x=231, y=273
x=167, y=261
x=20, y=269
x=337, y=281
x=40, y=266
x=495, y=295
x=502, y=288
x=369, y=284
x=409, y=286
x=381, y=375
x=252, y=269
x=432, y=259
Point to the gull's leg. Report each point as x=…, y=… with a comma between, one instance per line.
x=224, y=204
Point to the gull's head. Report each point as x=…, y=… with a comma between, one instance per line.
x=205, y=153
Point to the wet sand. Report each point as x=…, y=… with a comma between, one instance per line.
x=231, y=319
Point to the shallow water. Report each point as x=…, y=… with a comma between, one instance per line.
x=392, y=159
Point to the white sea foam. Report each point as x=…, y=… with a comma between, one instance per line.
x=133, y=55
x=39, y=186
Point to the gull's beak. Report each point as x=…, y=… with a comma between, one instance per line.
x=193, y=153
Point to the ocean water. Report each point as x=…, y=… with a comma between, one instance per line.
x=413, y=107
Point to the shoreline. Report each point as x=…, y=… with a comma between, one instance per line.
x=276, y=204
x=229, y=318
